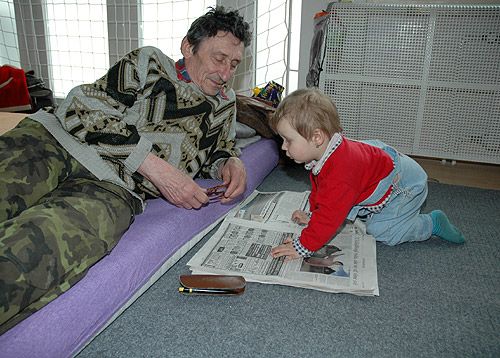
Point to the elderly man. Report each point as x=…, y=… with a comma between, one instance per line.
x=72, y=179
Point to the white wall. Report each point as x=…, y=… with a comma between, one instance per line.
x=311, y=7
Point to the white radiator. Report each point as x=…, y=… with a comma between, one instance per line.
x=423, y=78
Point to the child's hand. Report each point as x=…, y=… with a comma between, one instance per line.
x=285, y=249
x=300, y=217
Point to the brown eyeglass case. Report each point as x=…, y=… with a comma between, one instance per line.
x=212, y=284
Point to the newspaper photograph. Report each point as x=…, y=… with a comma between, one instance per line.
x=243, y=243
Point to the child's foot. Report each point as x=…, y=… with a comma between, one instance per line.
x=442, y=227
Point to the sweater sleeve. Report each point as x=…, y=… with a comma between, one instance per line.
x=332, y=204
x=99, y=113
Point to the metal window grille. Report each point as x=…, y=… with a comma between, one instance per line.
x=69, y=42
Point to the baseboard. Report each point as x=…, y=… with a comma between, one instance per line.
x=477, y=175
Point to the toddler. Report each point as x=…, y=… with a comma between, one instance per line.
x=349, y=179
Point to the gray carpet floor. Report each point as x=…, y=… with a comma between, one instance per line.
x=436, y=300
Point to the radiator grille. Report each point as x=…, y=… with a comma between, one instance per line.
x=425, y=79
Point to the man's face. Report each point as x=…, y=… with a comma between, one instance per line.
x=215, y=61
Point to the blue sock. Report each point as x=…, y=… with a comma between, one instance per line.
x=442, y=227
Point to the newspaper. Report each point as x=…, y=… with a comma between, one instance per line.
x=243, y=242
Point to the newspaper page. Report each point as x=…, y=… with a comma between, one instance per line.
x=243, y=242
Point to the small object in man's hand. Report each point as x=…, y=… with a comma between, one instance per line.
x=215, y=193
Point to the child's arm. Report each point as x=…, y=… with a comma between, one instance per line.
x=300, y=217
x=285, y=249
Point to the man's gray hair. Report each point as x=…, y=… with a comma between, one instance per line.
x=215, y=20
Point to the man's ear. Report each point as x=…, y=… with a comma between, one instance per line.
x=186, y=48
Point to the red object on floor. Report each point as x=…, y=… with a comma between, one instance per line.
x=14, y=95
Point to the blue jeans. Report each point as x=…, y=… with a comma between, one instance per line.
x=400, y=220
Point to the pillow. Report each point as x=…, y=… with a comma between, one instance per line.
x=244, y=131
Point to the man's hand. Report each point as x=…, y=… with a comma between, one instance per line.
x=285, y=249
x=174, y=185
x=234, y=175
x=300, y=217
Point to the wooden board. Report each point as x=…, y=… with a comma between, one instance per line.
x=9, y=120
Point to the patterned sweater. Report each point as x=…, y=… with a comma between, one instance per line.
x=143, y=104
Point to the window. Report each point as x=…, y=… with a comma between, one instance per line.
x=77, y=39
x=9, y=50
x=70, y=42
x=164, y=23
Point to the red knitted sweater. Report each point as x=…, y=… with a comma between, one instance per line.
x=347, y=178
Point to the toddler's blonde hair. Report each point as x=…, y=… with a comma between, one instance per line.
x=306, y=110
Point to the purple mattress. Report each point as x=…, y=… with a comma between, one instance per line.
x=155, y=241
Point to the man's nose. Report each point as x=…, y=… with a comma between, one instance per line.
x=225, y=72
